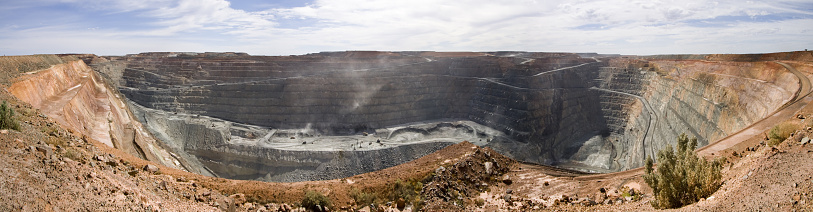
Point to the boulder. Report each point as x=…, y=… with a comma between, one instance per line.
x=488, y=167
x=587, y=202
x=46, y=150
x=400, y=203
x=238, y=198
x=151, y=168
x=507, y=180
x=284, y=207
x=440, y=170
x=365, y=209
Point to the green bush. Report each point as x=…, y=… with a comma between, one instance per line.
x=780, y=132
x=313, y=198
x=681, y=177
x=400, y=193
x=7, y=118
x=363, y=198
x=405, y=190
x=410, y=191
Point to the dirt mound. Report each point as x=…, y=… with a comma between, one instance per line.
x=452, y=186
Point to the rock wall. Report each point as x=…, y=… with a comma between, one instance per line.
x=704, y=99
x=82, y=102
x=344, y=94
x=207, y=144
x=341, y=100
x=559, y=109
x=792, y=56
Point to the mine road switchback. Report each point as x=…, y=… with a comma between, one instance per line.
x=801, y=99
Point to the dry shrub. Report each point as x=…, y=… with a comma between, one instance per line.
x=74, y=154
x=313, y=198
x=409, y=191
x=706, y=78
x=7, y=120
x=781, y=132
x=363, y=198
x=682, y=177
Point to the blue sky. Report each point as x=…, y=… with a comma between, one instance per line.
x=288, y=27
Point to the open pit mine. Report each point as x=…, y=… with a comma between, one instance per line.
x=332, y=115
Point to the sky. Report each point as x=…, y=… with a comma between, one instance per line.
x=290, y=27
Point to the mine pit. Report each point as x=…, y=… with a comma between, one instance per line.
x=332, y=115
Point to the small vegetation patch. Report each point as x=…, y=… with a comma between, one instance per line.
x=480, y=202
x=363, y=198
x=408, y=191
x=400, y=193
x=681, y=177
x=315, y=201
x=74, y=154
x=706, y=78
x=7, y=120
x=780, y=132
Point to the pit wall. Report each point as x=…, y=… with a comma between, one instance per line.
x=80, y=101
x=205, y=144
x=704, y=99
x=785, y=56
x=589, y=114
x=539, y=114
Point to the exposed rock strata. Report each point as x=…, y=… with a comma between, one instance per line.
x=551, y=108
x=703, y=99
x=79, y=100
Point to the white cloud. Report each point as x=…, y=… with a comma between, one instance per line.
x=485, y=24
x=205, y=15
x=615, y=26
